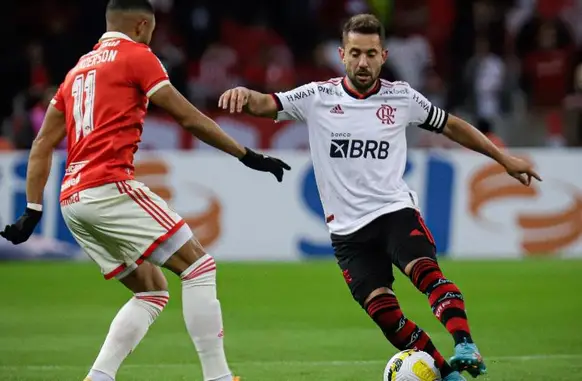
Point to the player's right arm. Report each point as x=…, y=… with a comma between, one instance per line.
x=195, y=121
x=289, y=105
x=252, y=102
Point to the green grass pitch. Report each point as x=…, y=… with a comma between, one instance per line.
x=291, y=322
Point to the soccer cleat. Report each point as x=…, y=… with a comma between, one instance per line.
x=467, y=357
x=455, y=376
x=236, y=378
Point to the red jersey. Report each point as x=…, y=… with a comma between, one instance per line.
x=105, y=98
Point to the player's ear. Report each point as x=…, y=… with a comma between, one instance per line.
x=342, y=52
x=141, y=27
x=384, y=55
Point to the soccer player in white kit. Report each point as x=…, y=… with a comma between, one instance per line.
x=126, y=229
x=357, y=128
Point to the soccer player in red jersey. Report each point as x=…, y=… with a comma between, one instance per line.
x=119, y=222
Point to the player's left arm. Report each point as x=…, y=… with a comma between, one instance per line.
x=432, y=118
x=148, y=73
x=51, y=134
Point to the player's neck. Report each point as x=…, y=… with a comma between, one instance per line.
x=356, y=92
x=111, y=31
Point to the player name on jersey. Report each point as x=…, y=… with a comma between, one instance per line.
x=97, y=58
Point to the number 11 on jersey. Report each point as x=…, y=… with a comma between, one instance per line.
x=84, y=103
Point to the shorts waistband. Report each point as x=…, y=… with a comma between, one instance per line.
x=72, y=199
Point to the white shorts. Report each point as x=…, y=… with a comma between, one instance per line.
x=119, y=225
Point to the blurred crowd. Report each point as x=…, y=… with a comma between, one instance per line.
x=511, y=67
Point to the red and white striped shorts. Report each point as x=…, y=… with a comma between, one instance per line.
x=119, y=225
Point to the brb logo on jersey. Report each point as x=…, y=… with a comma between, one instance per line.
x=356, y=148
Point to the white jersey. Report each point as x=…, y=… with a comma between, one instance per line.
x=358, y=145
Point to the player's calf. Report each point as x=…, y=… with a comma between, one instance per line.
x=132, y=322
x=385, y=310
x=445, y=298
x=448, y=306
x=201, y=308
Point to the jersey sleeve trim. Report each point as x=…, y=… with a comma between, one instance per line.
x=157, y=86
x=436, y=120
x=278, y=102
x=57, y=105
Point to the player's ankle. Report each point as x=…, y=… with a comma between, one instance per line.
x=96, y=375
x=462, y=337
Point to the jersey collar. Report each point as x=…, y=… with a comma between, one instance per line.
x=109, y=35
x=356, y=94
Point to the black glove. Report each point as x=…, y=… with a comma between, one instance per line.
x=263, y=163
x=22, y=229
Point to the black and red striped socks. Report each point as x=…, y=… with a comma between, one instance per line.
x=444, y=296
x=401, y=332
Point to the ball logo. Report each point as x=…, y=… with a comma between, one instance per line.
x=206, y=223
x=386, y=114
x=542, y=232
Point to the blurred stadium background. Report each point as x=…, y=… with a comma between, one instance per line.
x=511, y=67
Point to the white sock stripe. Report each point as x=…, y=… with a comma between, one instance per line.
x=208, y=266
x=154, y=293
x=156, y=303
x=156, y=299
x=162, y=298
x=207, y=258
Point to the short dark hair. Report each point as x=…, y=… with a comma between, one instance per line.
x=364, y=24
x=130, y=5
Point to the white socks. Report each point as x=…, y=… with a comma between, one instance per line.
x=203, y=318
x=126, y=331
x=202, y=315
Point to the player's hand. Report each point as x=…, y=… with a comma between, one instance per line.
x=23, y=228
x=234, y=99
x=264, y=163
x=520, y=169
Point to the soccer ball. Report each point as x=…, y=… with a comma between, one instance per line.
x=411, y=365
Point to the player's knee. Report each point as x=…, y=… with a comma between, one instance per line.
x=384, y=309
x=425, y=274
x=155, y=299
x=145, y=278
x=191, y=252
x=408, y=268
x=160, y=283
x=375, y=293
x=414, y=250
x=200, y=273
